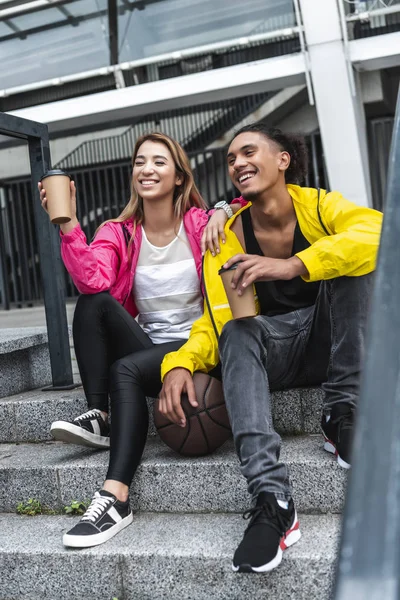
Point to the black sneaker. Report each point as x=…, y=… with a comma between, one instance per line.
x=89, y=429
x=337, y=429
x=271, y=530
x=105, y=517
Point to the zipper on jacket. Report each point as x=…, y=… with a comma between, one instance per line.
x=207, y=300
x=127, y=238
x=319, y=213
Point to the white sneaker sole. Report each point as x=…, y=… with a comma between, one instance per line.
x=329, y=447
x=292, y=536
x=87, y=541
x=73, y=434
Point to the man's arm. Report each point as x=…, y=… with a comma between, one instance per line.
x=352, y=247
x=200, y=353
x=252, y=268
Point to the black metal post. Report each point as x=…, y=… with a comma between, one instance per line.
x=49, y=249
x=369, y=560
x=5, y=292
x=113, y=31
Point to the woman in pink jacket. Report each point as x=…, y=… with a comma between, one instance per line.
x=144, y=264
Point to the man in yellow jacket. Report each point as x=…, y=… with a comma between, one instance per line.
x=310, y=256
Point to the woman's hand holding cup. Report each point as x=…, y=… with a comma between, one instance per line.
x=68, y=226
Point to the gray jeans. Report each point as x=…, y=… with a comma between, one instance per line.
x=322, y=344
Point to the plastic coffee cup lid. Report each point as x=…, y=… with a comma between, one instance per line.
x=231, y=268
x=52, y=172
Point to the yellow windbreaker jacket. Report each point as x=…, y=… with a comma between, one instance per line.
x=344, y=240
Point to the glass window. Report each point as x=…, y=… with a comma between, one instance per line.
x=54, y=45
x=164, y=27
x=73, y=37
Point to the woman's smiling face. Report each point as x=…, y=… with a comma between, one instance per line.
x=154, y=173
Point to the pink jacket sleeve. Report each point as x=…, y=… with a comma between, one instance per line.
x=93, y=267
x=240, y=201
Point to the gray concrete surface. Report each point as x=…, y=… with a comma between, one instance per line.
x=160, y=557
x=57, y=473
x=29, y=317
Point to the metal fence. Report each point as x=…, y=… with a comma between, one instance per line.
x=367, y=18
x=286, y=41
x=194, y=129
x=102, y=192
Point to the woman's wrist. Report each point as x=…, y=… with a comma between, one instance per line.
x=68, y=227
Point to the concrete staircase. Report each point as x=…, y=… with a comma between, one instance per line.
x=188, y=523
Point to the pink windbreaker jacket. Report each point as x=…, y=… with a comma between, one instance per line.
x=104, y=265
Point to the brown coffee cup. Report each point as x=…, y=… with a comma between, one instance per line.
x=56, y=183
x=241, y=306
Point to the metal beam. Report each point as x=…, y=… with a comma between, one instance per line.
x=190, y=90
x=113, y=31
x=11, y=26
x=376, y=52
x=73, y=21
x=4, y=287
x=27, y=8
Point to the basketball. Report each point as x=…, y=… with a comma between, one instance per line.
x=207, y=426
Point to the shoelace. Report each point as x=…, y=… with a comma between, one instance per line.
x=87, y=415
x=98, y=505
x=266, y=511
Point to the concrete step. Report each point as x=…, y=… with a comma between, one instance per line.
x=27, y=417
x=160, y=556
x=56, y=474
x=24, y=359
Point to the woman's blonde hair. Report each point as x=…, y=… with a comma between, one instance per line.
x=186, y=195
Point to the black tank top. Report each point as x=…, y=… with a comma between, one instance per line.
x=279, y=297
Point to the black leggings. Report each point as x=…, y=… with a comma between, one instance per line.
x=104, y=335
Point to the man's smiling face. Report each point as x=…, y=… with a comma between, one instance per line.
x=255, y=163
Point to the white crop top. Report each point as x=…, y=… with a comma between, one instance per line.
x=167, y=289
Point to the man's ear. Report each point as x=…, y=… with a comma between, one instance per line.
x=284, y=161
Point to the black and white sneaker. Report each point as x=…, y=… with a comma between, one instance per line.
x=105, y=517
x=271, y=530
x=337, y=429
x=89, y=429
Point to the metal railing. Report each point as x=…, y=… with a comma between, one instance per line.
x=194, y=130
x=47, y=246
x=369, y=558
x=174, y=64
x=368, y=18
x=102, y=192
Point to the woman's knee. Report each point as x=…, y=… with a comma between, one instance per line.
x=90, y=301
x=90, y=308
x=124, y=369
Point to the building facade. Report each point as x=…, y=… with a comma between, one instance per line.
x=100, y=73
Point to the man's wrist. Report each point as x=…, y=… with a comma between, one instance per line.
x=296, y=268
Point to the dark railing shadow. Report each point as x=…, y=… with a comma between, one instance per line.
x=369, y=558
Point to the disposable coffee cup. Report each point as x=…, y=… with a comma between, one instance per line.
x=241, y=306
x=56, y=183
